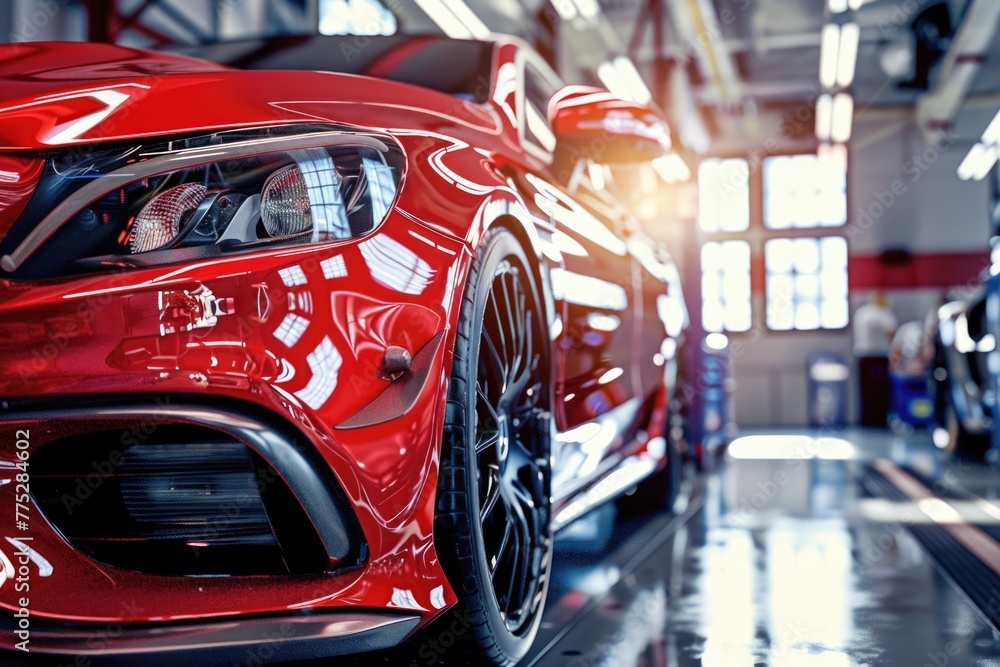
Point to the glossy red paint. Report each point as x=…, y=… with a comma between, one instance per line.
x=148, y=331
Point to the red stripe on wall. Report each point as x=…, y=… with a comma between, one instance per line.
x=925, y=270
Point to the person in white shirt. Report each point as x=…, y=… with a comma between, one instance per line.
x=874, y=328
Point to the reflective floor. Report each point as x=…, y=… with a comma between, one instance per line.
x=782, y=557
x=797, y=551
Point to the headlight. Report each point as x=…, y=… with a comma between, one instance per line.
x=159, y=221
x=191, y=198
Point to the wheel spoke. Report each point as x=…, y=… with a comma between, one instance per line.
x=484, y=401
x=498, y=321
x=502, y=551
x=492, y=493
x=497, y=365
x=487, y=441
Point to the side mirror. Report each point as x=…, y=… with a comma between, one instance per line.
x=592, y=123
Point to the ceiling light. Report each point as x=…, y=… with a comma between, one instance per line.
x=455, y=19
x=991, y=135
x=589, y=9
x=843, y=118
x=609, y=76
x=824, y=116
x=837, y=6
x=630, y=77
x=623, y=80
x=829, y=49
x=850, y=35
x=978, y=163
x=855, y=5
x=570, y=9
x=565, y=8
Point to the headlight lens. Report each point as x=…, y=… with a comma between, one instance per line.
x=220, y=193
x=284, y=206
x=159, y=221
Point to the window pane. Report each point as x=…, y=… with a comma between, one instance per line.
x=725, y=286
x=834, y=251
x=724, y=195
x=804, y=191
x=806, y=258
x=806, y=283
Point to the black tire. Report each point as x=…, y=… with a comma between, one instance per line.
x=493, y=522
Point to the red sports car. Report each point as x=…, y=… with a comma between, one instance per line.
x=301, y=362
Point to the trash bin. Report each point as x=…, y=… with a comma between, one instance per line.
x=828, y=375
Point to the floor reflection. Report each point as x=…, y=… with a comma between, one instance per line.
x=783, y=564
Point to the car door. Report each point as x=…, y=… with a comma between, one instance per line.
x=597, y=388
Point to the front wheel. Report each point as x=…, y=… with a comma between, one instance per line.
x=492, y=529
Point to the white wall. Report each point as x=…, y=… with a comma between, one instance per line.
x=932, y=211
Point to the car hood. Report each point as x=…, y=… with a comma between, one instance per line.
x=56, y=94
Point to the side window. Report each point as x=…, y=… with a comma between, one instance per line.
x=538, y=90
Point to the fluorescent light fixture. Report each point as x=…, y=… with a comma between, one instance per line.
x=824, y=116
x=843, y=118
x=608, y=75
x=570, y=9
x=589, y=9
x=850, y=36
x=622, y=78
x=671, y=168
x=828, y=55
x=455, y=19
x=632, y=80
x=837, y=6
x=978, y=162
x=991, y=135
x=566, y=9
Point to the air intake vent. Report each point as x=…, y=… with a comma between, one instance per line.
x=184, y=501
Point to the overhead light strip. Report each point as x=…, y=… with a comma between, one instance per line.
x=847, y=60
x=983, y=155
x=824, y=116
x=843, y=118
x=838, y=54
x=621, y=77
x=455, y=19
x=828, y=55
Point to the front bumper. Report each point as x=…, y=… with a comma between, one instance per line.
x=253, y=640
x=77, y=605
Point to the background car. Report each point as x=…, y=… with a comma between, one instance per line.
x=965, y=386
x=318, y=351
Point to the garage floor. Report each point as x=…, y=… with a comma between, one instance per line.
x=800, y=551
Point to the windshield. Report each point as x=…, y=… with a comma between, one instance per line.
x=456, y=67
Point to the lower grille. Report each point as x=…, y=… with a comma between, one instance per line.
x=177, y=500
